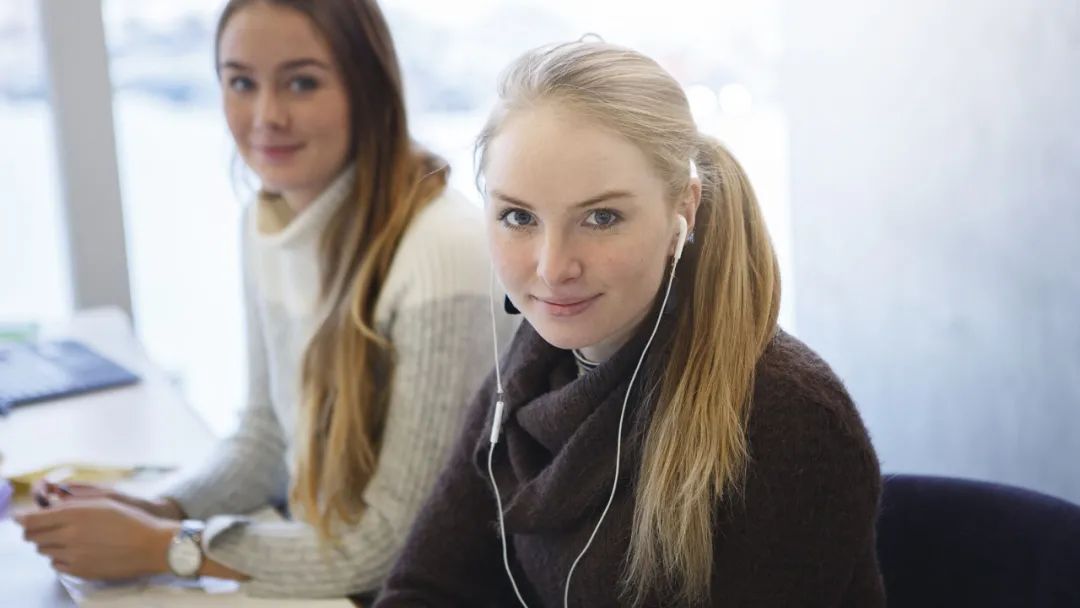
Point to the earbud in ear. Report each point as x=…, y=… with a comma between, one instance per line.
x=684, y=228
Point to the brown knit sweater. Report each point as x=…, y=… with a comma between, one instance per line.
x=802, y=533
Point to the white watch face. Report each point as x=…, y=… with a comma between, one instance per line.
x=185, y=557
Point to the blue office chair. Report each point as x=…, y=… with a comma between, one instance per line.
x=958, y=543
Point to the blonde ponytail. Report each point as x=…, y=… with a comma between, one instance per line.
x=694, y=450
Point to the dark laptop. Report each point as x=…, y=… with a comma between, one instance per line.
x=39, y=371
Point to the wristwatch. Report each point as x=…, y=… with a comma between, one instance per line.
x=185, y=555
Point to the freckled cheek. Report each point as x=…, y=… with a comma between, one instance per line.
x=615, y=259
x=629, y=271
x=513, y=262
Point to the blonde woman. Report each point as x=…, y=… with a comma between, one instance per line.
x=367, y=293
x=658, y=440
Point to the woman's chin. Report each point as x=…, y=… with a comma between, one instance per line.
x=562, y=335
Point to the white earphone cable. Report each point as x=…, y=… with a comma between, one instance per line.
x=494, y=331
x=497, y=421
x=496, y=425
x=618, y=442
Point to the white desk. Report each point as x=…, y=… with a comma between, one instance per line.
x=147, y=423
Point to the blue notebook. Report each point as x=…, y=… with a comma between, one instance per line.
x=31, y=372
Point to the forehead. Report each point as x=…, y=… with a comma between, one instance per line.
x=553, y=156
x=262, y=33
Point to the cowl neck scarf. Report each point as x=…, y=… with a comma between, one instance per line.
x=555, y=460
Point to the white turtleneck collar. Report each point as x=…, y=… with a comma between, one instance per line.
x=278, y=225
x=285, y=246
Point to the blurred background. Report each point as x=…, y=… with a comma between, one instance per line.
x=918, y=162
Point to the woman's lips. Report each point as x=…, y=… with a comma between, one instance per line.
x=565, y=307
x=278, y=153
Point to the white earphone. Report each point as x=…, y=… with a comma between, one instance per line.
x=684, y=230
x=497, y=420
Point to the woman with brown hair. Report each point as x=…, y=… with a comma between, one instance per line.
x=367, y=292
x=651, y=438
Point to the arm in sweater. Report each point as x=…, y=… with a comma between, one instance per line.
x=434, y=311
x=431, y=380
x=468, y=571
x=802, y=534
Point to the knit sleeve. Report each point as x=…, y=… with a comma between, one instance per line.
x=247, y=470
x=802, y=532
x=452, y=557
x=439, y=328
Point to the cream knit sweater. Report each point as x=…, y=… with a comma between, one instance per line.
x=434, y=310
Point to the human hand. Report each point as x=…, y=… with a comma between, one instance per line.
x=99, y=538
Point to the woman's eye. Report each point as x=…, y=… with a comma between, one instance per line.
x=517, y=218
x=241, y=84
x=302, y=84
x=602, y=218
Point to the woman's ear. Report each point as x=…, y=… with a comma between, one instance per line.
x=689, y=206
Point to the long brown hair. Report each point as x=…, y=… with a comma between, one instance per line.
x=694, y=452
x=347, y=365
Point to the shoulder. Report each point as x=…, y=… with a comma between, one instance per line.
x=447, y=219
x=442, y=255
x=793, y=381
x=802, y=414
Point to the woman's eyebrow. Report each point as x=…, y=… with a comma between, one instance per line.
x=303, y=62
x=291, y=64
x=235, y=65
x=506, y=198
x=604, y=196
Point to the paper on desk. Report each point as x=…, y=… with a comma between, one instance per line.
x=85, y=592
x=171, y=592
x=166, y=591
x=84, y=473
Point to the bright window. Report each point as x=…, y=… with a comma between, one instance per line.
x=180, y=207
x=33, y=255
